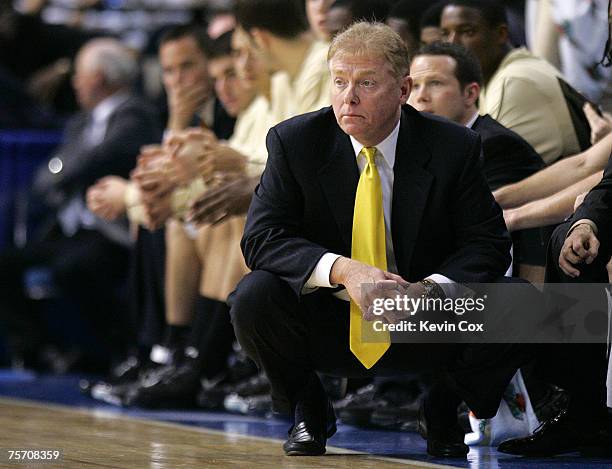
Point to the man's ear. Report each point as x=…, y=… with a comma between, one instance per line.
x=406, y=88
x=471, y=92
x=101, y=80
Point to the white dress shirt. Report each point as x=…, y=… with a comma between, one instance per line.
x=472, y=121
x=385, y=160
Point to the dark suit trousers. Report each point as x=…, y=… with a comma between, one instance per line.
x=85, y=266
x=579, y=368
x=291, y=339
x=146, y=287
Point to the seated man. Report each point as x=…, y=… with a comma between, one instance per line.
x=420, y=211
x=184, y=53
x=446, y=81
x=521, y=91
x=83, y=252
x=578, y=252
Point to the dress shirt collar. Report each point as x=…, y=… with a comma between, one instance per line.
x=386, y=147
x=107, y=106
x=472, y=121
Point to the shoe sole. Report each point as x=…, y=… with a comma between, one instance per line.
x=304, y=453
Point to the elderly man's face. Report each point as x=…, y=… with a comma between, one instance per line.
x=87, y=80
x=367, y=96
x=435, y=88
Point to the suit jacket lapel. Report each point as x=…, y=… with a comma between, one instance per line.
x=410, y=189
x=339, y=178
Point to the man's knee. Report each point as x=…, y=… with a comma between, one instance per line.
x=257, y=295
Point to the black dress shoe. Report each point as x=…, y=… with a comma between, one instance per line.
x=556, y=436
x=404, y=418
x=447, y=443
x=240, y=371
x=443, y=441
x=359, y=408
x=309, y=438
x=126, y=371
x=250, y=397
x=356, y=408
x=167, y=387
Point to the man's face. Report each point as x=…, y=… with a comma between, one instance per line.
x=249, y=62
x=435, y=88
x=87, y=81
x=466, y=26
x=316, y=11
x=183, y=63
x=228, y=87
x=366, y=96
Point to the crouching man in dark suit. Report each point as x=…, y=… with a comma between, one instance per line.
x=368, y=192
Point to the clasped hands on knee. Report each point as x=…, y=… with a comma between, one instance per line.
x=379, y=285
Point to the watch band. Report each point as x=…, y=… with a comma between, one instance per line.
x=432, y=289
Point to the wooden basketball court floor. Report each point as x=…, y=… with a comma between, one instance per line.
x=43, y=412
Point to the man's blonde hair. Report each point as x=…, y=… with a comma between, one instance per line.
x=365, y=38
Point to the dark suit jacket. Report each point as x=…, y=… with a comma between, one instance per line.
x=130, y=126
x=506, y=157
x=444, y=220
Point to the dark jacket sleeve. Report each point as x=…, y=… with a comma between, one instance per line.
x=481, y=240
x=131, y=128
x=272, y=239
x=597, y=205
x=507, y=160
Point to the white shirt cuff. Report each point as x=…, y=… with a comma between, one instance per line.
x=319, y=278
x=583, y=221
x=449, y=287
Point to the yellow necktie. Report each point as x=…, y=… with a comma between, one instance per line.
x=368, y=246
